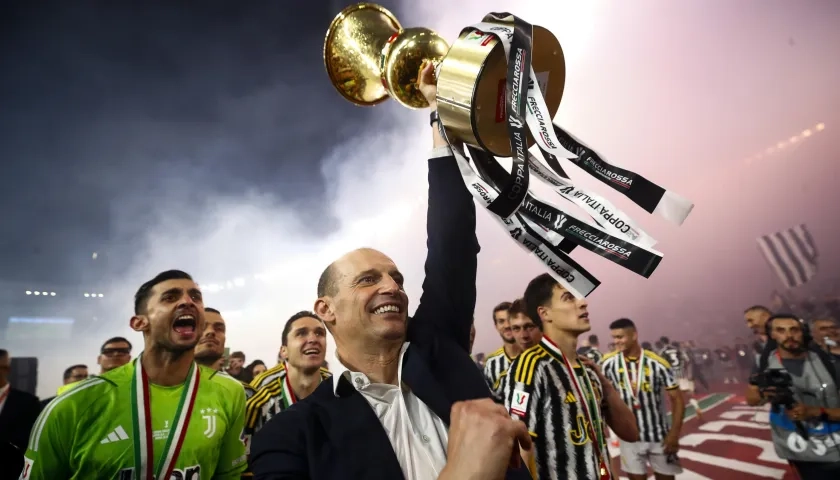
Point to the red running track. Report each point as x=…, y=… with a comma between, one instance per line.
x=733, y=442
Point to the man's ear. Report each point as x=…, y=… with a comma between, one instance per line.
x=284, y=352
x=139, y=323
x=323, y=308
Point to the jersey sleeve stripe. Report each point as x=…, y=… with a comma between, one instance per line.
x=262, y=395
x=533, y=367
x=35, y=437
x=498, y=352
x=525, y=370
x=259, y=379
x=255, y=403
x=657, y=359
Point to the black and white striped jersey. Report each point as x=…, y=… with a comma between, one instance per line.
x=680, y=361
x=495, y=366
x=651, y=414
x=538, y=389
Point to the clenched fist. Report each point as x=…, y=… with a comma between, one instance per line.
x=483, y=441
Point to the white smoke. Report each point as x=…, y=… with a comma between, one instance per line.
x=238, y=246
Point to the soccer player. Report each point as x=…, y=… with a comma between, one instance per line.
x=160, y=416
x=681, y=367
x=304, y=346
x=498, y=362
x=641, y=377
x=590, y=349
x=563, y=401
x=210, y=350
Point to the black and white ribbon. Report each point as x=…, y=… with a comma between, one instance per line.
x=536, y=225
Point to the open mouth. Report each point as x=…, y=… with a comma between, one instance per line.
x=184, y=325
x=312, y=352
x=387, y=308
x=585, y=316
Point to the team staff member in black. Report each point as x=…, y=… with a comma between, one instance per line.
x=562, y=402
x=641, y=376
x=385, y=413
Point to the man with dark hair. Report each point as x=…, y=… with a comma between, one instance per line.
x=826, y=334
x=70, y=378
x=75, y=373
x=803, y=427
x=117, y=425
x=386, y=412
x=210, y=350
x=559, y=395
x=304, y=347
x=18, y=410
x=590, y=350
x=642, y=377
x=115, y=352
x=497, y=363
x=755, y=318
x=236, y=365
x=526, y=331
x=681, y=367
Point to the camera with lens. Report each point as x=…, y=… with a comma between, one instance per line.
x=780, y=381
x=782, y=384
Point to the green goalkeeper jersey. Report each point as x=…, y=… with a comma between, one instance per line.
x=86, y=433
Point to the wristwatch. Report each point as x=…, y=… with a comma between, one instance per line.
x=434, y=117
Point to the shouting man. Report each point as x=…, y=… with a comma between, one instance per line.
x=158, y=416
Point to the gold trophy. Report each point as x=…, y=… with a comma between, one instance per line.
x=369, y=57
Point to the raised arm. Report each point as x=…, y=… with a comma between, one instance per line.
x=448, y=300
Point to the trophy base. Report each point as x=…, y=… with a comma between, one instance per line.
x=472, y=83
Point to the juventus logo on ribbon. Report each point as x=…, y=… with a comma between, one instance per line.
x=209, y=416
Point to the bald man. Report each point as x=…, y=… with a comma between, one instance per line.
x=385, y=413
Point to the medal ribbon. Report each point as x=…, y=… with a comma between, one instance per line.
x=288, y=394
x=617, y=238
x=640, y=375
x=597, y=438
x=141, y=416
x=527, y=234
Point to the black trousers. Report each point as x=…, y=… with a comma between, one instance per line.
x=816, y=470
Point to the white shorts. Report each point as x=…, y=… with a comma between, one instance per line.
x=636, y=456
x=687, y=385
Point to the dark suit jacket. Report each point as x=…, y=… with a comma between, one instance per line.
x=339, y=437
x=17, y=418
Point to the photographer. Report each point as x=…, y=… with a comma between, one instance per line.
x=801, y=383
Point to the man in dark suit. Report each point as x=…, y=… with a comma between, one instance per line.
x=18, y=409
x=395, y=406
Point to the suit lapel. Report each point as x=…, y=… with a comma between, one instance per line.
x=419, y=378
x=356, y=431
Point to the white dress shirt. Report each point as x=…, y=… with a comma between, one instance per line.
x=419, y=437
x=4, y=395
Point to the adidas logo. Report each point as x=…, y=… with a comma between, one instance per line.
x=117, y=435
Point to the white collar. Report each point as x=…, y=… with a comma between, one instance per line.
x=6, y=388
x=359, y=380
